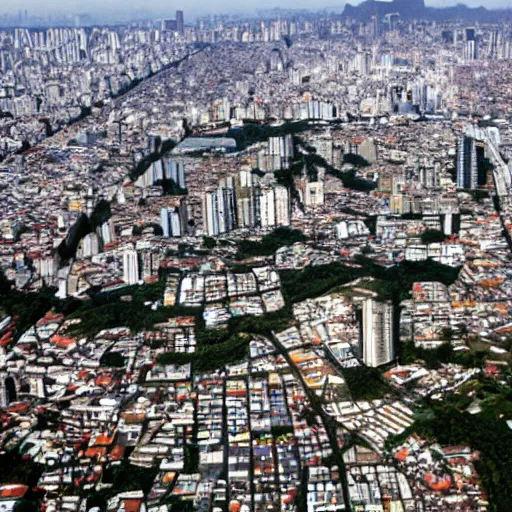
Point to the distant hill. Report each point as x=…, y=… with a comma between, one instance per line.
x=416, y=9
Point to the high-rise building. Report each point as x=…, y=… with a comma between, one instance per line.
x=494, y=43
x=130, y=266
x=89, y=246
x=314, y=193
x=277, y=154
x=429, y=176
x=467, y=163
x=164, y=222
x=376, y=333
x=180, y=23
x=106, y=232
x=274, y=207
x=375, y=27
x=220, y=209
x=469, y=34
x=276, y=60
x=362, y=63
x=175, y=171
x=169, y=26
x=393, y=20
x=171, y=222
x=470, y=51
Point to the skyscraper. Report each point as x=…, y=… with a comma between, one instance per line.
x=469, y=34
x=470, y=51
x=164, y=222
x=494, y=43
x=220, y=210
x=467, y=168
x=130, y=266
x=375, y=27
x=180, y=23
x=175, y=171
x=171, y=222
x=376, y=334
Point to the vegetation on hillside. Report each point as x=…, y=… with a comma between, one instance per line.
x=251, y=133
x=280, y=237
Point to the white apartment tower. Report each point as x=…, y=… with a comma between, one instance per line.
x=130, y=266
x=376, y=339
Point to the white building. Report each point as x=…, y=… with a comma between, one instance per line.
x=130, y=266
x=376, y=340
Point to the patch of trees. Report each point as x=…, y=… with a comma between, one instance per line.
x=366, y=383
x=101, y=214
x=443, y=354
x=484, y=432
x=264, y=325
x=124, y=478
x=432, y=236
x=349, y=178
x=5, y=115
x=351, y=181
x=280, y=237
x=107, y=310
x=478, y=194
x=209, y=242
x=15, y=469
x=68, y=247
x=397, y=281
x=47, y=126
x=412, y=216
x=313, y=281
x=112, y=360
x=355, y=160
x=213, y=356
x=82, y=227
x=28, y=308
x=217, y=348
x=250, y=133
x=134, y=315
x=170, y=188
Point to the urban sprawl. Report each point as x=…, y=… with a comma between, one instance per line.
x=257, y=264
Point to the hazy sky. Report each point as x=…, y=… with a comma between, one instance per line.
x=195, y=7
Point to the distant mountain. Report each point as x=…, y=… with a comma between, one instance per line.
x=416, y=9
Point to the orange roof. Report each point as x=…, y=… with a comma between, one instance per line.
x=132, y=505
x=117, y=452
x=18, y=407
x=83, y=374
x=131, y=417
x=96, y=451
x=402, y=454
x=6, y=339
x=168, y=477
x=438, y=484
x=236, y=392
x=62, y=342
x=103, y=440
x=50, y=317
x=103, y=380
x=13, y=491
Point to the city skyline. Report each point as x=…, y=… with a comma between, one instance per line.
x=138, y=8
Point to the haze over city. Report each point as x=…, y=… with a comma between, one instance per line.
x=197, y=7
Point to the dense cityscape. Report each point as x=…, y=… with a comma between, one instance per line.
x=257, y=263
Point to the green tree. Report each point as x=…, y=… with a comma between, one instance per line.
x=432, y=236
